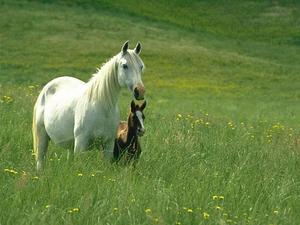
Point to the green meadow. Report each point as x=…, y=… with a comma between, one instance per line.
x=222, y=141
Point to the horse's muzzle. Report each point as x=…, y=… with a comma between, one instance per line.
x=140, y=132
x=139, y=92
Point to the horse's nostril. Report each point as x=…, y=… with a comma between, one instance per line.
x=136, y=93
x=141, y=130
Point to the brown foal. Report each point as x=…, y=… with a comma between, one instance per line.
x=127, y=143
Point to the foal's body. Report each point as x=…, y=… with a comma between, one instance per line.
x=127, y=143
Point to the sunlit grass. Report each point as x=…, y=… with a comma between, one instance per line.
x=222, y=121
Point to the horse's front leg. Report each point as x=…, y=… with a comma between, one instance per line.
x=81, y=143
x=108, y=148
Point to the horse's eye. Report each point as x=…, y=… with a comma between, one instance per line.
x=142, y=67
x=125, y=66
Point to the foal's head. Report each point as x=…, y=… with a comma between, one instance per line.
x=136, y=118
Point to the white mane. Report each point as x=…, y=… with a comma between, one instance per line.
x=103, y=84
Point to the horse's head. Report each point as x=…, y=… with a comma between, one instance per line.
x=137, y=118
x=130, y=68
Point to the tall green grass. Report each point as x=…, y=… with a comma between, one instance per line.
x=222, y=124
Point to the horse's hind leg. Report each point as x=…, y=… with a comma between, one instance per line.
x=41, y=145
x=70, y=155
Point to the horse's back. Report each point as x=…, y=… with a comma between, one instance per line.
x=64, y=83
x=57, y=102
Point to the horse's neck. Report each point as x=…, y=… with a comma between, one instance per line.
x=131, y=133
x=104, y=88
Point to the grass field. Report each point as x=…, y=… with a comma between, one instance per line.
x=222, y=142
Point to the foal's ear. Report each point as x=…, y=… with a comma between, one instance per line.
x=125, y=47
x=143, y=106
x=132, y=106
x=138, y=48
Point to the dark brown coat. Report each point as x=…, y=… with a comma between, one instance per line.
x=127, y=143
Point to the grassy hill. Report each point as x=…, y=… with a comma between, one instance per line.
x=223, y=118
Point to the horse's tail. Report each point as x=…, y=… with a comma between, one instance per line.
x=40, y=99
x=40, y=136
x=34, y=132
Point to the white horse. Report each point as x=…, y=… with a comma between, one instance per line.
x=71, y=112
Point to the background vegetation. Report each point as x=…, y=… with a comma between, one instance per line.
x=222, y=140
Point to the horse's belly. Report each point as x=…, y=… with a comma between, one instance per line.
x=59, y=118
x=59, y=126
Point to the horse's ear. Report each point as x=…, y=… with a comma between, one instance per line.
x=125, y=47
x=143, y=106
x=138, y=48
x=132, y=106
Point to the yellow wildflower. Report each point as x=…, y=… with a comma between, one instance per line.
x=35, y=178
x=219, y=207
x=189, y=210
x=148, y=210
x=205, y=215
x=75, y=209
x=112, y=180
x=190, y=116
x=178, y=117
x=115, y=209
x=215, y=197
x=7, y=99
x=80, y=174
x=275, y=212
x=10, y=171
x=47, y=206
